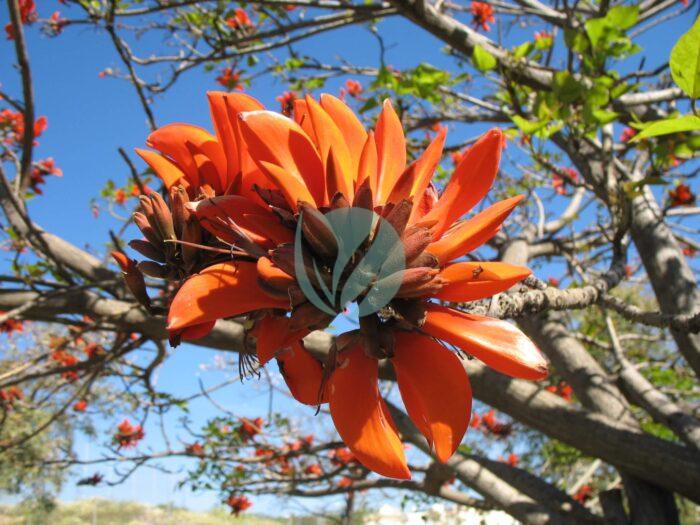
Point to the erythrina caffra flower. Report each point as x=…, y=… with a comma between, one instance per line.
x=482, y=15
x=262, y=193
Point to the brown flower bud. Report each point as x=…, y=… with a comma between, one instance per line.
x=147, y=249
x=133, y=278
x=317, y=231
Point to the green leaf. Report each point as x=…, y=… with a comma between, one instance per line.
x=669, y=126
x=685, y=61
x=482, y=59
x=623, y=16
x=526, y=126
x=603, y=116
x=523, y=50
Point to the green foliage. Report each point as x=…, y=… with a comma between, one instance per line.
x=667, y=127
x=685, y=61
x=423, y=82
x=483, y=60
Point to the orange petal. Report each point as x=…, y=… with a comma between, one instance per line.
x=167, y=170
x=274, y=139
x=260, y=224
x=472, y=233
x=178, y=141
x=367, y=168
x=197, y=331
x=301, y=117
x=272, y=334
x=303, y=374
x=435, y=389
x=470, y=281
x=222, y=290
x=470, y=181
x=497, y=343
x=358, y=415
x=273, y=275
x=350, y=126
x=391, y=150
x=293, y=189
x=224, y=109
x=425, y=167
x=339, y=177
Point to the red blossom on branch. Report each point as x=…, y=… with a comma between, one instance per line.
x=128, y=435
x=27, y=15
x=229, y=79
x=238, y=504
x=681, y=195
x=482, y=15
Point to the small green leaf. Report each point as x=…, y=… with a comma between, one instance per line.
x=482, y=59
x=623, y=16
x=523, y=50
x=669, y=126
x=527, y=126
x=685, y=61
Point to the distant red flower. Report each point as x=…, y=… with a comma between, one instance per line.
x=9, y=396
x=80, y=406
x=286, y=100
x=314, y=470
x=627, y=134
x=543, y=35
x=290, y=7
x=128, y=435
x=341, y=456
x=345, y=482
x=583, y=494
x=689, y=251
x=563, y=390
x=55, y=24
x=93, y=350
x=250, y=428
x=195, y=449
x=11, y=325
x=681, y=196
x=475, y=421
x=494, y=426
x=457, y=157
x=482, y=14
x=559, y=182
x=238, y=504
x=66, y=359
x=513, y=460
x=27, y=15
x=12, y=126
x=120, y=197
x=229, y=79
x=40, y=170
x=239, y=20
x=553, y=281
x=354, y=87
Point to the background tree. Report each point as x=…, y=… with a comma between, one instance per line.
x=603, y=142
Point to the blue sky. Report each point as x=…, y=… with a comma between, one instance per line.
x=89, y=117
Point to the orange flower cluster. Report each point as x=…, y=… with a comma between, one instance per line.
x=10, y=326
x=559, y=182
x=238, y=504
x=250, y=428
x=230, y=79
x=12, y=126
x=226, y=243
x=40, y=170
x=27, y=15
x=482, y=15
x=681, y=195
x=489, y=424
x=563, y=390
x=128, y=435
x=9, y=396
x=239, y=20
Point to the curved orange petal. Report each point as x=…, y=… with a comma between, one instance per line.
x=470, y=281
x=350, y=126
x=470, y=182
x=435, y=389
x=197, y=331
x=359, y=417
x=367, y=168
x=273, y=275
x=391, y=150
x=167, y=170
x=425, y=167
x=222, y=290
x=293, y=189
x=497, y=343
x=224, y=108
x=303, y=374
x=260, y=224
x=179, y=141
x=274, y=139
x=472, y=233
x=272, y=334
x=301, y=117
